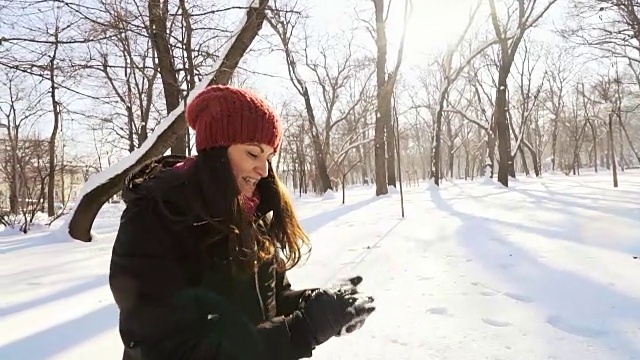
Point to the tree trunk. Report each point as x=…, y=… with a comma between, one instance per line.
x=612, y=152
x=534, y=157
x=424, y=155
x=392, y=137
x=380, y=158
x=51, y=179
x=363, y=154
x=91, y=202
x=12, y=136
x=380, y=151
x=490, y=159
x=385, y=83
x=130, y=130
x=466, y=163
x=554, y=144
x=626, y=134
x=450, y=149
x=391, y=151
x=319, y=153
x=523, y=158
x=320, y=149
x=594, y=135
x=158, y=17
x=502, y=127
x=621, y=162
x=436, y=159
x=607, y=157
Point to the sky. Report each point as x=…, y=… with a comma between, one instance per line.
x=433, y=25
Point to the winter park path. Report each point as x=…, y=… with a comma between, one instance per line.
x=542, y=270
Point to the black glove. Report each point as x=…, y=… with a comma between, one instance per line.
x=325, y=313
x=362, y=305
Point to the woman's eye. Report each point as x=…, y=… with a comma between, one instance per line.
x=252, y=155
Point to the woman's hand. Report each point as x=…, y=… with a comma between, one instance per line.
x=333, y=312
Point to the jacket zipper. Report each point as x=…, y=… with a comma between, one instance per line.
x=255, y=274
x=257, y=283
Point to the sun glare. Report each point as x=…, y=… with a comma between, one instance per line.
x=434, y=24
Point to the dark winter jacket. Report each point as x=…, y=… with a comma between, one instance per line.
x=175, y=305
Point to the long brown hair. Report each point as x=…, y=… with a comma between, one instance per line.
x=214, y=195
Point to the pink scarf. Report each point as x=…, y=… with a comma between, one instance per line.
x=184, y=165
x=249, y=203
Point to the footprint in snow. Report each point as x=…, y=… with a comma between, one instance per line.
x=575, y=327
x=399, y=342
x=424, y=278
x=518, y=297
x=438, y=311
x=496, y=323
x=488, y=293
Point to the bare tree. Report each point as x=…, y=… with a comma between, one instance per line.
x=21, y=106
x=384, y=142
x=560, y=70
x=575, y=122
x=284, y=22
x=159, y=34
x=52, y=69
x=590, y=118
x=32, y=167
x=96, y=194
x=23, y=155
x=420, y=126
x=526, y=17
x=608, y=97
x=130, y=73
x=610, y=26
x=451, y=74
x=528, y=98
x=44, y=49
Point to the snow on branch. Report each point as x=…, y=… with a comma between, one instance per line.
x=100, y=178
x=102, y=186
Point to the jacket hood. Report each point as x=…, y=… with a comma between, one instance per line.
x=156, y=177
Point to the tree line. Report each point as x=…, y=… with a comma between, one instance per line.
x=495, y=102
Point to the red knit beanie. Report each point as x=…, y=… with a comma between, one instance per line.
x=224, y=115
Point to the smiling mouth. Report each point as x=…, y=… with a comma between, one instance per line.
x=250, y=181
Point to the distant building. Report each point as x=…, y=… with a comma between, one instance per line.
x=32, y=159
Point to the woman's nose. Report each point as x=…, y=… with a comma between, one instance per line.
x=262, y=169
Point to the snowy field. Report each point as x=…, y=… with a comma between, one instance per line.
x=547, y=269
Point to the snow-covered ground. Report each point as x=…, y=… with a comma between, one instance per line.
x=546, y=269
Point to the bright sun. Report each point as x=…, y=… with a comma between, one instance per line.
x=434, y=24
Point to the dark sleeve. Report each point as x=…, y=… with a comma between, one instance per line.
x=161, y=318
x=287, y=299
x=285, y=338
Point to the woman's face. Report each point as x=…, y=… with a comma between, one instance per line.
x=249, y=164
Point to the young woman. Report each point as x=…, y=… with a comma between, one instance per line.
x=199, y=264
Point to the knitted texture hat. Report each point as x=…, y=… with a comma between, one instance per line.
x=223, y=115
